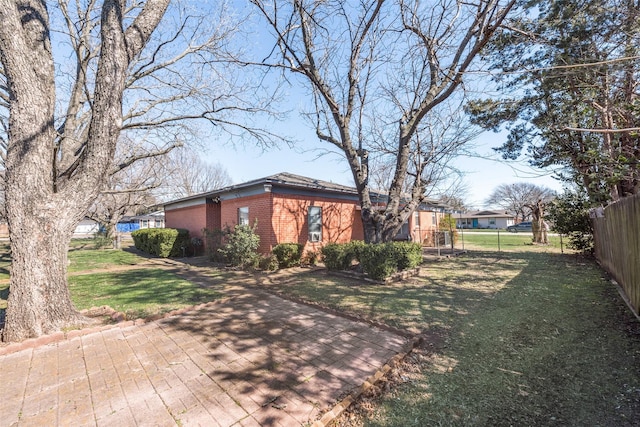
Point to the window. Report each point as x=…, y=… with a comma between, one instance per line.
x=144, y=223
x=243, y=216
x=315, y=224
x=434, y=219
x=416, y=219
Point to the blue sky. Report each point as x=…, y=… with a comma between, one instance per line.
x=244, y=163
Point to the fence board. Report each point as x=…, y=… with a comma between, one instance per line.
x=617, y=245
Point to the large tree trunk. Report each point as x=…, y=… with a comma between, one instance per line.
x=44, y=204
x=39, y=300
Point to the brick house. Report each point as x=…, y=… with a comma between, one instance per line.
x=287, y=208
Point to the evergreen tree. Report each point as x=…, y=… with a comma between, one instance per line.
x=569, y=72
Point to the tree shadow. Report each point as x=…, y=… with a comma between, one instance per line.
x=551, y=340
x=281, y=354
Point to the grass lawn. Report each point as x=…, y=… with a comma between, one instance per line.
x=139, y=292
x=505, y=241
x=95, y=259
x=521, y=337
x=524, y=337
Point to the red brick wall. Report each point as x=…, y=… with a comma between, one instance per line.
x=193, y=218
x=341, y=221
x=424, y=231
x=280, y=219
x=214, y=220
x=260, y=207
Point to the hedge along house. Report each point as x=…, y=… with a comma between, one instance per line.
x=286, y=208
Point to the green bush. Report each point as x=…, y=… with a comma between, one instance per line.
x=354, y=250
x=337, y=256
x=268, y=263
x=379, y=261
x=162, y=242
x=288, y=254
x=407, y=255
x=310, y=258
x=569, y=214
x=101, y=240
x=240, y=249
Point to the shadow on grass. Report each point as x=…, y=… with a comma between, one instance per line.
x=5, y=260
x=553, y=344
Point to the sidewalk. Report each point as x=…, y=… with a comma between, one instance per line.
x=251, y=360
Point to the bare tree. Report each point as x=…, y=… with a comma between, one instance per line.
x=127, y=190
x=108, y=72
x=519, y=198
x=186, y=174
x=375, y=71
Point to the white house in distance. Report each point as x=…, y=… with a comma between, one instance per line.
x=86, y=228
x=485, y=219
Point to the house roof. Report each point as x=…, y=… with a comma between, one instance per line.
x=283, y=179
x=296, y=182
x=486, y=214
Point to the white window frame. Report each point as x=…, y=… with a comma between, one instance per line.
x=314, y=223
x=243, y=215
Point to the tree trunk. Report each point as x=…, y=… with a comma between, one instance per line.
x=44, y=204
x=537, y=224
x=39, y=300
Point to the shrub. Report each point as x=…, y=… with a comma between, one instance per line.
x=379, y=260
x=101, y=240
x=448, y=223
x=310, y=258
x=213, y=241
x=268, y=263
x=288, y=254
x=569, y=214
x=354, y=250
x=240, y=249
x=407, y=255
x=162, y=242
x=338, y=256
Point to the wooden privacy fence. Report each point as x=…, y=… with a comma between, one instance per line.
x=616, y=232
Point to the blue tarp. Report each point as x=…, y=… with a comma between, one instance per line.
x=127, y=227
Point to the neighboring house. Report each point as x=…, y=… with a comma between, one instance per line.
x=485, y=219
x=285, y=208
x=151, y=220
x=87, y=227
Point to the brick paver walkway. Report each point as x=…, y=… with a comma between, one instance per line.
x=252, y=360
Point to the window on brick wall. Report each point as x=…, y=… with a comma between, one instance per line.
x=416, y=219
x=315, y=224
x=243, y=216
